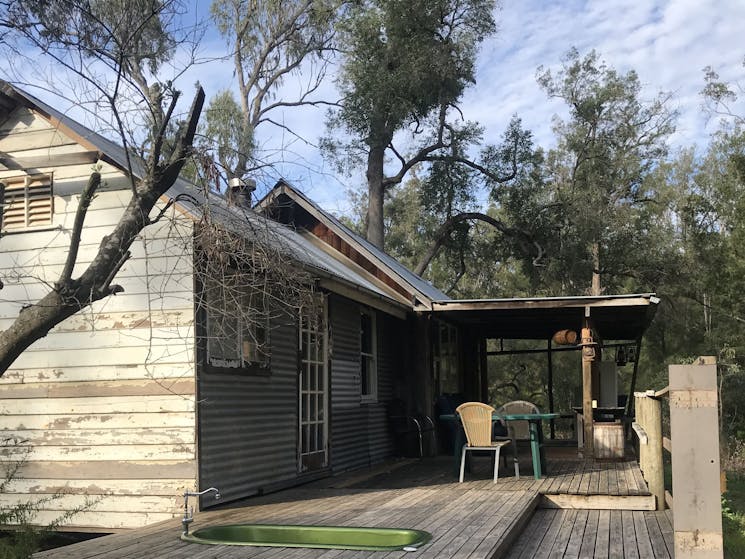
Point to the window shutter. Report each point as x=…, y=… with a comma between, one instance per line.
x=28, y=202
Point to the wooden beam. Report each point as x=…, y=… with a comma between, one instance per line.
x=589, y=355
x=598, y=502
x=550, y=382
x=640, y=433
x=649, y=416
x=362, y=296
x=484, y=370
x=663, y=392
x=50, y=160
x=546, y=303
x=667, y=444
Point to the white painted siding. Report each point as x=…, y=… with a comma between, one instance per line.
x=107, y=399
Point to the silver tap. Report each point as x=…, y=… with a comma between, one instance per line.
x=189, y=512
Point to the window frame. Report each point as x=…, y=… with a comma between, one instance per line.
x=246, y=362
x=369, y=381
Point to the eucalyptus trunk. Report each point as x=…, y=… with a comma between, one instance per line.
x=376, y=195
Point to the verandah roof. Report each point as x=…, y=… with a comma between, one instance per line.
x=615, y=317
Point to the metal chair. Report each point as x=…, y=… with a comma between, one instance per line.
x=477, y=424
x=518, y=429
x=404, y=425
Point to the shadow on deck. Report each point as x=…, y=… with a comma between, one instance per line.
x=476, y=519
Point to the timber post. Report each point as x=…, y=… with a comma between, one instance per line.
x=694, y=430
x=649, y=417
x=589, y=355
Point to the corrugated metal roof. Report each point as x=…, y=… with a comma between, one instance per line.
x=290, y=242
x=239, y=220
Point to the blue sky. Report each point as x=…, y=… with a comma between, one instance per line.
x=668, y=43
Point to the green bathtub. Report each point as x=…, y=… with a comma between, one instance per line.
x=331, y=537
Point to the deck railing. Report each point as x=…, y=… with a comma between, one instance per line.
x=694, y=451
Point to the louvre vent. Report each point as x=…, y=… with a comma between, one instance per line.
x=28, y=202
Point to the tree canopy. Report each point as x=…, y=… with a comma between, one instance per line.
x=405, y=66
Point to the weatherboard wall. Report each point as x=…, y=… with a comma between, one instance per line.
x=106, y=400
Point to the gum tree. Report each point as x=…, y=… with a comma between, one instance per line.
x=601, y=189
x=405, y=67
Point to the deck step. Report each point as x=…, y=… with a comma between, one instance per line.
x=598, y=502
x=516, y=527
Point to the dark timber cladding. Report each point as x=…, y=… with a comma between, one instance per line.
x=335, y=241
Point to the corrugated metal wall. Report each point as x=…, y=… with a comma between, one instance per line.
x=359, y=432
x=348, y=418
x=390, y=371
x=248, y=423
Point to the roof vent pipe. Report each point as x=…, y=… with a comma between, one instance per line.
x=241, y=190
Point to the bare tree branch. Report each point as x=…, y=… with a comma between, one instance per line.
x=447, y=228
x=86, y=197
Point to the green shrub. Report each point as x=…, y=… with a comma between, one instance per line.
x=23, y=538
x=733, y=517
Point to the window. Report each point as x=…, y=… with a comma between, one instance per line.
x=27, y=202
x=237, y=324
x=368, y=357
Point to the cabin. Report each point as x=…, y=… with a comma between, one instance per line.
x=161, y=389
x=142, y=396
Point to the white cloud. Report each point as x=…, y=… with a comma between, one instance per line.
x=668, y=43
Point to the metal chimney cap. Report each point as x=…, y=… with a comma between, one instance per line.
x=239, y=184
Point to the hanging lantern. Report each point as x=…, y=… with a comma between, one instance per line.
x=621, y=356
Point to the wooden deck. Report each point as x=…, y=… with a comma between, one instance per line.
x=595, y=534
x=475, y=520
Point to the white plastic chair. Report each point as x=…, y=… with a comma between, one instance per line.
x=477, y=423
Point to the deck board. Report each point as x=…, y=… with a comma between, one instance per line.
x=583, y=534
x=602, y=538
x=615, y=545
x=590, y=537
x=577, y=535
x=630, y=549
x=642, y=536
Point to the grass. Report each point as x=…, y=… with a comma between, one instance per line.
x=733, y=517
